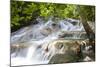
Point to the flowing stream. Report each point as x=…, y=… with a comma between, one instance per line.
x=28, y=45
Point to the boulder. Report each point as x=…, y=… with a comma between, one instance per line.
x=63, y=58
x=67, y=51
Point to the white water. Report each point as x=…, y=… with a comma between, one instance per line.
x=37, y=38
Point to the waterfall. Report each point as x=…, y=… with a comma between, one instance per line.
x=34, y=40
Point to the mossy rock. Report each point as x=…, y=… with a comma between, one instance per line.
x=63, y=58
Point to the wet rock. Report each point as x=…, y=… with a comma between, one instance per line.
x=19, y=46
x=63, y=46
x=46, y=31
x=88, y=49
x=73, y=34
x=54, y=24
x=63, y=58
x=71, y=51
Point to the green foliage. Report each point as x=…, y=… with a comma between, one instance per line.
x=23, y=12
x=89, y=12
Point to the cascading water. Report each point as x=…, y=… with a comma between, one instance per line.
x=30, y=43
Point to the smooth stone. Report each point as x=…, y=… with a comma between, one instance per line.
x=64, y=58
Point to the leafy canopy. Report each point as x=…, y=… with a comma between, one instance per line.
x=23, y=12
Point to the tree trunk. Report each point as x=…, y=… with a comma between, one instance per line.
x=89, y=31
x=86, y=26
